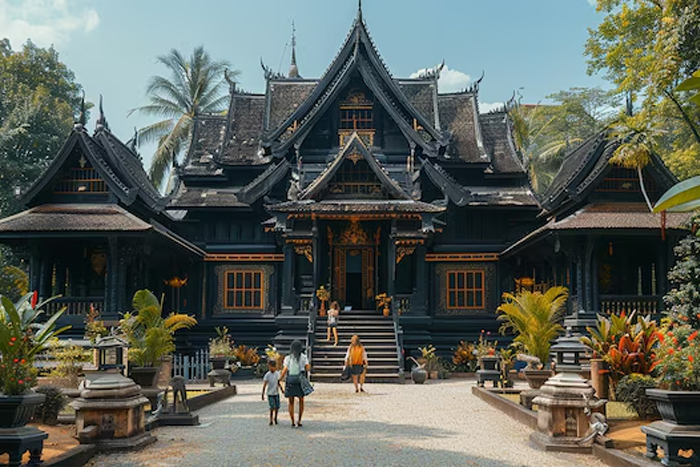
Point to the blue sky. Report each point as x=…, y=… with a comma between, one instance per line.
x=536, y=45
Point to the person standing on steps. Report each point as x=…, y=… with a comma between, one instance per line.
x=294, y=364
x=333, y=322
x=356, y=359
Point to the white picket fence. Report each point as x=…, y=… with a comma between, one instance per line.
x=193, y=368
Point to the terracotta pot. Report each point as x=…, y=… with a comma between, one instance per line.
x=145, y=376
x=433, y=375
x=677, y=407
x=16, y=411
x=537, y=378
x=419, y=375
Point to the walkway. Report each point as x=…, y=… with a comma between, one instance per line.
x=439, y=424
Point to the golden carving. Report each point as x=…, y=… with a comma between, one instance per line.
x=330, y=235
x=356, y=98
x=354, y=156
x=354, y=234
x=306, y=250
x=243, y=257
x=366, y=137
x=404, y=251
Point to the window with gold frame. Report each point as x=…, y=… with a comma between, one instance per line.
x=243, y=290
x=465, y=289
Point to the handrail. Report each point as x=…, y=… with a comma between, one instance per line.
x=311, y=333
x=398, y=335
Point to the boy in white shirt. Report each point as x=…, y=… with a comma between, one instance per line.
x=271, y=382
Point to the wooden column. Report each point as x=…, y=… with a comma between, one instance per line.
x=112, y=280
x=589, y=306
x=315, y=244
x=391, y=262
x=418, y=305
x=287, y=307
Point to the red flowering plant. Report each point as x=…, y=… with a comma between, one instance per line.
x=22, y=337
x=678, y=367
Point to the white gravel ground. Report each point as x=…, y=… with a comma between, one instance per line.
x=438, y=424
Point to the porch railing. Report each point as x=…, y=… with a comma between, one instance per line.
x=194, y=368
x=75, y=306
x=642, y=304
x=398, y=335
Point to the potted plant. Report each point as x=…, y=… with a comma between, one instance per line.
x=246, y=359
x=22, y=337
x=323, y=295
x=383, y=302
x=151, y=336
x=534, y=318
x=47, y=413
x=220, y=349
x=432, y=363
x=486, y=352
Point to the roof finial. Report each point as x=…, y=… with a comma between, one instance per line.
x=359, y=11
x=101, y=123
x=80, y=124
x=293, y=69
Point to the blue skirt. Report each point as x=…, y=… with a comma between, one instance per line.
x=293, y=389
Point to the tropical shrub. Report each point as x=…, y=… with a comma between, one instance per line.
x=534, y=318
x=626, y=344
x=55, y=401
x=432, y=362
x=484, y=347
x=151, y=336
x=678, y=367
x=246, y=356
x=631, y=389
x=94, y=326
x=69, y=360
x=464, y=357
x=22, y=337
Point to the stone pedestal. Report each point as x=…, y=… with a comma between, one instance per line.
x=671, y=437
x=219, y=376
x=110, y=413
x=17, y=441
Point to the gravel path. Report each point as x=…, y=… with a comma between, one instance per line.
x=439, y=424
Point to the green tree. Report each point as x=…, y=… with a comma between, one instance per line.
x=196, y=85
x=545, y=133
x=39, y=99
x=645, y=47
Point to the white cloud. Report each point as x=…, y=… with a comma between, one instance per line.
x=450, y=80
x=486, y=107
x=45, y=22
x=593, y=3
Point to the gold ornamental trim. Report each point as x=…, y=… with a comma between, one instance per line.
x=244, y=257
x=461, y=257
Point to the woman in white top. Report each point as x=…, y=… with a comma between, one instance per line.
x=294, y=364
x=333, y=322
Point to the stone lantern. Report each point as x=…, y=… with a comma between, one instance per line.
x=112, y=354
x=565, y=402
x=110, y=410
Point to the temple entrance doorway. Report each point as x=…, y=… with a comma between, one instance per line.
x=354, y=267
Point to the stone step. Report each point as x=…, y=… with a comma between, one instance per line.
x=369, y=378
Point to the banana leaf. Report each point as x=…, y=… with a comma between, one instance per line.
x=683, y=194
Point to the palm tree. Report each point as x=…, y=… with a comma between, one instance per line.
x=196, y=85
x=534, y=317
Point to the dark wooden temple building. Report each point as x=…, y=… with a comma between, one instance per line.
x=358, y=181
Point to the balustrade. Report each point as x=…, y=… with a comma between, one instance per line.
x=75, y=306
x=642, y=304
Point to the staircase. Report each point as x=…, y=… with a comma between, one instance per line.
x=377, y=335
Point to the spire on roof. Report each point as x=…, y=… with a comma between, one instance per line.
x=293, y=69
x=80, y=124
x=101, y=123
x=359, y=11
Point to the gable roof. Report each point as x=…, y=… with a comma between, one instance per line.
x=115, y=163
x=354, y=146
x=459, y=115
x=358, y=53
x=586, y=165
x=499, y=144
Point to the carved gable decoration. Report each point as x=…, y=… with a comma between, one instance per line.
x=356, y=98
x=354, y=234
x=81, y=178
